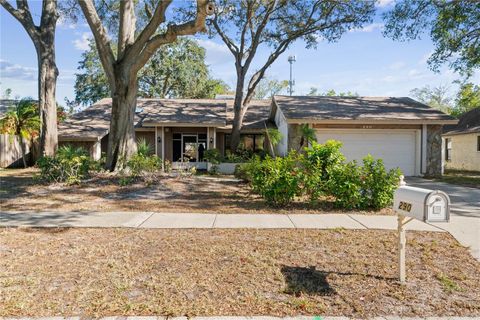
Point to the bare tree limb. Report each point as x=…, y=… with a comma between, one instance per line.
x=127, y=26
x=23, y=15
x=101, y=38
x=173, y=31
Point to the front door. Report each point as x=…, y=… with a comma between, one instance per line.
x=189, y=147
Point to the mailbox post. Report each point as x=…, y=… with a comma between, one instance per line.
x=417, y=203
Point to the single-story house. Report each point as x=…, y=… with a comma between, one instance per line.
x=462, y=143
x=402, y=131
x=175, y=128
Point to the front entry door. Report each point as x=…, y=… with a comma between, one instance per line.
x=189, y=147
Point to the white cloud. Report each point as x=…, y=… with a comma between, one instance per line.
x=83, y=42
x=370, y=27
x=217, y=53
x=397, y=65
x=9, y=70
x=385, y=3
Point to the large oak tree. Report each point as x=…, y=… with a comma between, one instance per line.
x=245, y=26
x=453, y=26
x=134, y=49
x=43, y=38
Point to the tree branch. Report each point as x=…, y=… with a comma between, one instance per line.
x=101, y=39
x=23, y=15
x=126, y=34
x=173, y=31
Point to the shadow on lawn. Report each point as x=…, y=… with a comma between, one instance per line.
x=315, y=282
x=306, y=280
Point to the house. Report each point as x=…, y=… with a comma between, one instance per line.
x=403, y=132
x=175, y=128
x=462, y=143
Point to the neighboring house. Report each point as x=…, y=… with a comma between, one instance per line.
x=173, y=127
x=403, y=132
x=462, y=143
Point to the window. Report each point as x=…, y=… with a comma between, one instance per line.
x=251, y=142
x=478, y=143
x=448, y=149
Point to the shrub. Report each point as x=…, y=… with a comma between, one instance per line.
x=276, y=179
x=378, y=185
x=144, y=148
x=319, y=162
x=140, y=164
x=345, y=185
x=213, y=156
x=242, y=171
x=70, y=165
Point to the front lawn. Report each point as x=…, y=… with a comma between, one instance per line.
x=463, y=178
x=201, y=193
x=93, y=272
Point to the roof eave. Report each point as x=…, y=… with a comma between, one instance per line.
x=369, y=121
x=183, y=124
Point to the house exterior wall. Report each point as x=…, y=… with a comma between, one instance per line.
x=221, y=142
x=148, y=136
x=434, y=151
x=282, y=125
x=464, y=154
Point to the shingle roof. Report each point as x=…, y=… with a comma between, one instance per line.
x=468, y=123
x=188, y=111
x=94, y=121
x=318, y=108
x=89, y=124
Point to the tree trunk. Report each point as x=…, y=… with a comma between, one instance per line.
x=238, y=113
x=121, y=138
x=47, y=82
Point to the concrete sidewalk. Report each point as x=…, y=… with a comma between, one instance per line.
x=152, y=220
x=465, y=229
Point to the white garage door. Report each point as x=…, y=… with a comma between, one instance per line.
x=395, y=147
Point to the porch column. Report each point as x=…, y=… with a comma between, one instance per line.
x=215, y=137
x=208, y=137
x=424, y=149
x=156, y=142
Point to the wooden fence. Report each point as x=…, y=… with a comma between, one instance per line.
x=11, y=151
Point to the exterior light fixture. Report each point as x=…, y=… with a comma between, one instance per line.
x=211, y=140
x=159, y=139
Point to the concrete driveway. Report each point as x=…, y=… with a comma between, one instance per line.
x=464, y=222
x=465, y=200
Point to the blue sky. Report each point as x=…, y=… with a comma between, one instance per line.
x=363, y=61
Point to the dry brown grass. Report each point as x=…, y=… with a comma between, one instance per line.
x=100, y=272
x=19, y=192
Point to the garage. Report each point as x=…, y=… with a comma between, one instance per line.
x=397, y=148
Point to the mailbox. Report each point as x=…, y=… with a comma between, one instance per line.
x=422, y=204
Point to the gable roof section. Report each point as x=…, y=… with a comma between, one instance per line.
x=362, y=109
x=92, y=123
x=468, y=123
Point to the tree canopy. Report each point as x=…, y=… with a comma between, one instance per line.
x=454, y=27
x=245, y=26
x=176, y=70
x=331, y=93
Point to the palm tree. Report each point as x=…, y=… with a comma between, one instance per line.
x=22, y=119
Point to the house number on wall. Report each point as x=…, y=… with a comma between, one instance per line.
x=367, y=127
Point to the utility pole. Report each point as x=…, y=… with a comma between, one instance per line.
x=291, y=83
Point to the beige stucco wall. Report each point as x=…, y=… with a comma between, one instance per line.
x=464, y=152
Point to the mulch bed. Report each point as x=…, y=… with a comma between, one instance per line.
x=199, y=194
x=101, y=272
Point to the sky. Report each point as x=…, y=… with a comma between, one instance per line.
x=362, y=61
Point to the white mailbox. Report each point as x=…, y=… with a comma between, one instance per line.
x=422, y=204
